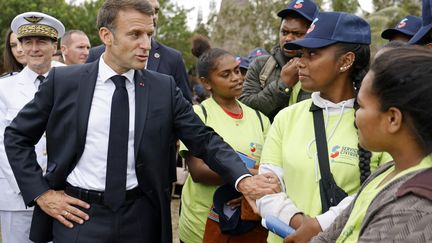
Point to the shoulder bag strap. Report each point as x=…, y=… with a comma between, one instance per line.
x=321, y=143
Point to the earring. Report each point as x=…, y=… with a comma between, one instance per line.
x=343, y=69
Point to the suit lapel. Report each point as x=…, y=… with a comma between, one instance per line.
x=154, y=56
x=141, y=106
x=86, y=86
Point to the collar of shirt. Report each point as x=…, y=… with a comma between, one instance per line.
x=30, y=76
x=326, y=104
x=106, y=72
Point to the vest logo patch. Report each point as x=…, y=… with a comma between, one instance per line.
x=344, y=155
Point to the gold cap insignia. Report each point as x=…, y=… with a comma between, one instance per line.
x=33, y=19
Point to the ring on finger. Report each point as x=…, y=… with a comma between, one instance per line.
x=65, y=213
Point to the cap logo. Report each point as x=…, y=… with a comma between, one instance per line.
x=258, y=53
x=312, y=27
x=403, y=23
x=33, y=19
x=299, y=4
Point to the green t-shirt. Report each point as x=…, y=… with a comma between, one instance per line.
x=294, y=93
x=351, y=231
x=290, y=144
x=244, y=135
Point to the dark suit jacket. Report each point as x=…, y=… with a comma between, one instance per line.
x=166, y=60
x=162, y=59
x=62, y=106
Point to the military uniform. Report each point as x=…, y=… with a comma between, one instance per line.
x=15, y=92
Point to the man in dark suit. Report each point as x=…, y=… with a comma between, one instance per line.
x=108, y=126
x=162, y=59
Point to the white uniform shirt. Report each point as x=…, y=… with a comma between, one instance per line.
x=15, y=92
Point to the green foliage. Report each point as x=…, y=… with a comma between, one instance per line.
x=349, y=6
x=239, y=30
x=172, y=29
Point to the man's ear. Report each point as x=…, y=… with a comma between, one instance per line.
x=205, y=83
x=346, y=61
x=54, y=48
x=63, y=49
x=106, y=36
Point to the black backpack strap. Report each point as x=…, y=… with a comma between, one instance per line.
x=260, y=119
x=204, y=112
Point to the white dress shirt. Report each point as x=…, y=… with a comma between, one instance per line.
x=90, y=171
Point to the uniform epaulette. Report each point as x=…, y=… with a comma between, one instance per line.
x=5, y=75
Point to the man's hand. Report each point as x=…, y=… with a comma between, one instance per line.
x=289, y=73
x=307, y=230
x=61, y=206
x=257, y=186
x=234, y=203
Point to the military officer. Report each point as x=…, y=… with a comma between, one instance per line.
x=38, y=34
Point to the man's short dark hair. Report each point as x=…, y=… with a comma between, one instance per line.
x=110, y=9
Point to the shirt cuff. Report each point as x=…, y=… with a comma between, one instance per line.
x=283, y=87
x=326, y=219
x=239, y=179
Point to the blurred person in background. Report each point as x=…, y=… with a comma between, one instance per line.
x=13, y=55
x=404, y=30
x=58, y=57
x=75, y=46
x=423, y=37
x=243, y=65
x=272, y=81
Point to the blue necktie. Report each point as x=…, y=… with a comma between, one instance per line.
x=41, y=79
x=115, y=187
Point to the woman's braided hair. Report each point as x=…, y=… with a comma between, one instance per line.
x=357, y=72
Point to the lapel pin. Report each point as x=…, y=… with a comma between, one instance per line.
x=156, y=55
x=141, y=84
